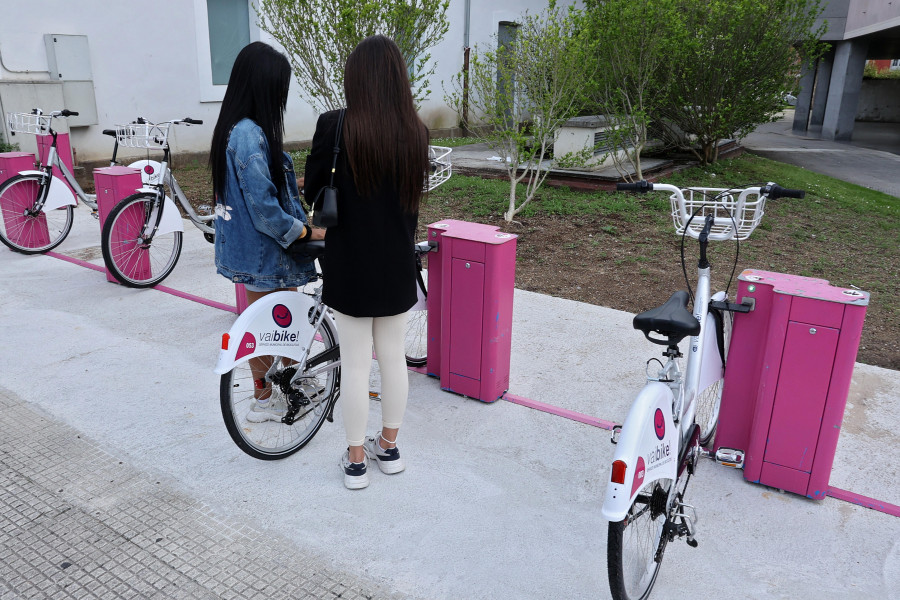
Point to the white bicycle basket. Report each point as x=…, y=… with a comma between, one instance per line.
x=28, y=123
x=439, y=160
x=736, y=213
x=142, y=135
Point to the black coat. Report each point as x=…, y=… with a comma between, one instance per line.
x=370, y=267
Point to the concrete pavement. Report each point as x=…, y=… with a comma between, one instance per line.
x=871, y=159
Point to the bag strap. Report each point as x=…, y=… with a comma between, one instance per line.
x=337, y=145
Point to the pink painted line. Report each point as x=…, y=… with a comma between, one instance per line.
x=560, y=412
x=161, y=288
x=865, y=501
x=77, y=261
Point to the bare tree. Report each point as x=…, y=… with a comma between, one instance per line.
x=319, y=35
x=520, y=93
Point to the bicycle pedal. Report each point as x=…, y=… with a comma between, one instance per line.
x=730, y=457
x=95, y=214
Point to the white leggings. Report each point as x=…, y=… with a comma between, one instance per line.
x=356, y=335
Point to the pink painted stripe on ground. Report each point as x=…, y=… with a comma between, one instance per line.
x=560, y=412
x=885, y=507
x=161, y=288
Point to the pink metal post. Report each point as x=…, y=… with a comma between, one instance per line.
x=478, y=266
x=114, y=184
x=435, y=296
x=788, y=376
x=63, y=148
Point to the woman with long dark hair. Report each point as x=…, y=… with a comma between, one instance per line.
x=370, y=271
x=259, y=215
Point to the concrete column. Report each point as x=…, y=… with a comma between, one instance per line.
x=820, y=95
x=804, y=97
x=843, y=93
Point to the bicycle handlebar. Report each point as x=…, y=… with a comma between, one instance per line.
x=774, y=191
x=640, y=186
x=191, y=121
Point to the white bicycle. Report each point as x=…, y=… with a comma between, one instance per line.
x=675, y=415
x=286, y=343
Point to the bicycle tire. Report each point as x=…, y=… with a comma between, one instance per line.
x=132, y=262
x=633, y=543
x=273, y=439
x=27, y=234
x=417, y=329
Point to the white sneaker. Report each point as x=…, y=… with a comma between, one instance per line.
x=268, y=410
x=355, y=475
x=388, y=459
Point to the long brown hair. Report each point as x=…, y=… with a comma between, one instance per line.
x=385, y=139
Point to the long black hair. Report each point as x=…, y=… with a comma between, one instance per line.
x=384, y=136
x=257, y=90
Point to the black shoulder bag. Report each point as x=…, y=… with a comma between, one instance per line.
x=325, y=211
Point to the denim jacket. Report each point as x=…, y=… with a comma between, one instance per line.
x=254, y=225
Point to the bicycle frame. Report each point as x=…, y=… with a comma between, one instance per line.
x=57, y=194
x=160, y=172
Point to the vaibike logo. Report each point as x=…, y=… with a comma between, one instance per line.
x=278, y=336
x=282, y=316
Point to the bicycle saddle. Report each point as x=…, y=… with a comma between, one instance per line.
x=672, y=320
x=314, y=249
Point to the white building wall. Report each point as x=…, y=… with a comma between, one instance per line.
x=148, y=60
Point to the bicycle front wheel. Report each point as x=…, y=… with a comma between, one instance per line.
x=294, y=411
x=635, y=545
x=417, y=327
x=21, y=229
x=132, y=260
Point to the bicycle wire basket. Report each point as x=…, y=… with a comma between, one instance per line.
x=143, y=135
x=736, y=213
x=440, y=167
x=28, y=123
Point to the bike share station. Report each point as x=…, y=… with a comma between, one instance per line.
x=112, y=185
x=13, y=163
x=470, y=301
x=789, y=369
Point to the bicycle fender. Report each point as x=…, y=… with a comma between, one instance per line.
x=276, y=324
x=711, y=367
x=171, y=218
x=150, y=171
x=58, y=195
x=648, y=445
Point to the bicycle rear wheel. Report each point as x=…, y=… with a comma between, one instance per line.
x=633, y=543
x=23, y=231
x=417, y=327
x=296, y=411
x=132, y=260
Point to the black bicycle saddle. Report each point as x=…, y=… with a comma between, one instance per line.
x=672, y=320
x=313, y=249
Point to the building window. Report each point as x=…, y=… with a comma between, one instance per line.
x=229, y=31
x=895, y=64
x=223, y=27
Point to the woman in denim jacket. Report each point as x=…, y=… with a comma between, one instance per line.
x=259, y=215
